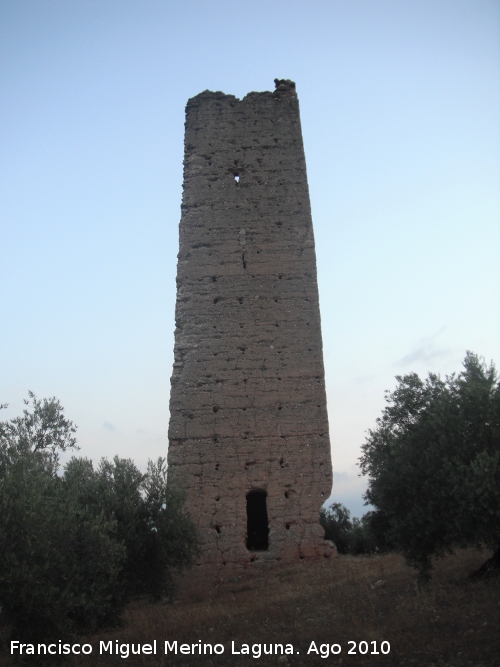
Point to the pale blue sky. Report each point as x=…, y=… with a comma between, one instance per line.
x=400, y=104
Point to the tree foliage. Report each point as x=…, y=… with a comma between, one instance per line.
x=433, y=463
x=75, y=547
x=350, y=536
x=148, y=519
x=336, y=520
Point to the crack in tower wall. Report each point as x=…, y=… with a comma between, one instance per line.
x=248, y=403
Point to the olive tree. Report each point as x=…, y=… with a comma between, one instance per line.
x=59, y=565
x=158, y=536
x=75, y=547
x=433, y=464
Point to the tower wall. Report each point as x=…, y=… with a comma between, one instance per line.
x=248, y=404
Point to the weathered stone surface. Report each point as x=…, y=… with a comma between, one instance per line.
x=248, y=403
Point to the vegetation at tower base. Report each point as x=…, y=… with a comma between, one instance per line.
x=75, y=547
x=352, y=536
x=433, y=463
x=148, y=519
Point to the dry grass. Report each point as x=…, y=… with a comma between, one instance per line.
x=454, y=623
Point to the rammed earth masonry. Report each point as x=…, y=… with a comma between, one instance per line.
x=248, y=435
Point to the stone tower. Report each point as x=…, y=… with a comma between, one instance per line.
x=249, y=427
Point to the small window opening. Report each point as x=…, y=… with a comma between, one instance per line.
x=287, y=526
x=217, y=528
x=257, y=521
x=237, y=178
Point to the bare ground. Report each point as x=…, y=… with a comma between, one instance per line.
x=455, y=622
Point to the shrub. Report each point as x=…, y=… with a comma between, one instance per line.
x=58, y=566
x=158, y=536
x=349, y=536
x=74, y=548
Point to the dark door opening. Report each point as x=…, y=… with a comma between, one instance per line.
x=257, y=523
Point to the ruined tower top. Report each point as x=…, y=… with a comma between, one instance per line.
x=284, y=85
x=249, y=428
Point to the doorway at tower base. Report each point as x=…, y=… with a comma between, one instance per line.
x=294, y=542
